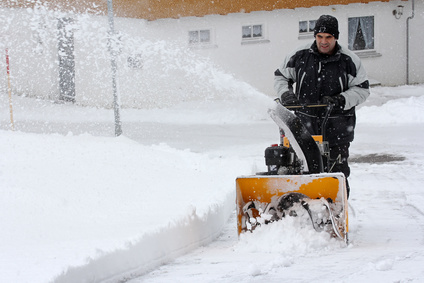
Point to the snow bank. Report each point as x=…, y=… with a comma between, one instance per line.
x=154, y=248
x=248, y=109
x=400, y=111
x=240, y=109
x=105, y=204
x=396, y=105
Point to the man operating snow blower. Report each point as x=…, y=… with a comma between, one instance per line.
x=325, y=73
x=307, y=170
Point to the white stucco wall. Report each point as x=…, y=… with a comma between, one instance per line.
x=281, y=28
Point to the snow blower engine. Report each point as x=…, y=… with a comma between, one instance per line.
x=281, y=159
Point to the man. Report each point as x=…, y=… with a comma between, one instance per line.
x=326, y=73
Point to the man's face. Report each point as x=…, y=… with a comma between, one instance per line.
x=325, y=42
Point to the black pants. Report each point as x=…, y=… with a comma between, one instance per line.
x=339, y=155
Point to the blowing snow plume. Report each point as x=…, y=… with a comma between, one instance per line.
x=169, y=74
x=152, y=72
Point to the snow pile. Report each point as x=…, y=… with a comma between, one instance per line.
x=69, y=200
x=249, y=110
x=400, y=111
x=288, y=235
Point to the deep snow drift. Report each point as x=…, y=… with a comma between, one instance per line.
x=83, y=205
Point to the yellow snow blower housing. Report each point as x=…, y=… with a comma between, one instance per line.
x=297, y=179
x=258, y=195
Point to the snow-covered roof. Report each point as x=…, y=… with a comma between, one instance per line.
x=159, y=9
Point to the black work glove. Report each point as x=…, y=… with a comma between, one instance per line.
x=289, y=98
x=338, y=101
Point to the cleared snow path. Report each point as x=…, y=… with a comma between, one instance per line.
x=386, y=220
x=386, y=230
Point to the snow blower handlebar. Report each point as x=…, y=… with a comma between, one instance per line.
x=305, y=106
x=329, y=107
x=293, y=106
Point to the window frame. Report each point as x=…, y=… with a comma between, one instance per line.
x=135, y=61
x=309, y=33
x=366, y=52
x=199, y=38
x=360, y=22
x=252, y=39
x=252, y=35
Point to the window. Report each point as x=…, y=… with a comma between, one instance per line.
x=252, y=32
x=361, y=33
x=135, y=61
x=199, y=37
x=306, y=27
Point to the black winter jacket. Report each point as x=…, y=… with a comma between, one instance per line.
x=317, y=75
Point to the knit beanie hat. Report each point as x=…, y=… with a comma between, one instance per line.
x=327, y=24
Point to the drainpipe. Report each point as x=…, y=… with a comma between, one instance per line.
x=407, y=41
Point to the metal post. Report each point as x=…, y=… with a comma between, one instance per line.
x=113, y=53
x=9, y=89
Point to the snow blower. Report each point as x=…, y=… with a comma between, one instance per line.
x=298, y=181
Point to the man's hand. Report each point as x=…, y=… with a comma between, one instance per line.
x=289, y=98
x=337, y=100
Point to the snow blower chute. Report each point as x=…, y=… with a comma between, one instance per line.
x=298, y=180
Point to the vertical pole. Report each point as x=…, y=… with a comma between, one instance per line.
x=9, y=89
x=407, y=41
x=113, y=53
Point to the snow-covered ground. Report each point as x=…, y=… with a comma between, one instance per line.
x=157, y=204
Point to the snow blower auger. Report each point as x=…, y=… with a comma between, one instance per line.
x=297, y=182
